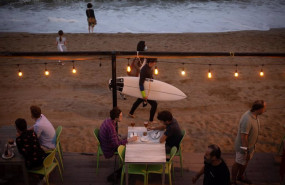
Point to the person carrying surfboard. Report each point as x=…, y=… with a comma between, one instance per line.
x=146, y=72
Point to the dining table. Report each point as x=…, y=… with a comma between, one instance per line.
x=146, y=150
x=9, y=132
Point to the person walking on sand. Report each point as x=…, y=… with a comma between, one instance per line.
x=215, y=169
x=90, y=17
x=61, y=42
x=245, y=141
x=146, y=72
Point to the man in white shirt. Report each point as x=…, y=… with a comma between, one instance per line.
x=43, y=128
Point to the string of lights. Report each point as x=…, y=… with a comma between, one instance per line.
x=178, y=55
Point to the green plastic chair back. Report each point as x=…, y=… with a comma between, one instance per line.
x=58, y=145
x=138, y=169
x=157, y=168
x=179, y=151
x=58, y=132
x=49, y=165
x=280, y=148
x=99, y=150
x=121, y=152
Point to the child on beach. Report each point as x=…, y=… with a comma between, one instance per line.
x=61, y=41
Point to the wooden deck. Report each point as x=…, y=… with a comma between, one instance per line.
x=80, y=169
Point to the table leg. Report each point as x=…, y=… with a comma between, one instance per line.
x=127, y=173
x=25, y=174
x=163, y=173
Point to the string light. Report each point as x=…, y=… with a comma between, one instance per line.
x=46, y=71
x=73, y=68
x=155, y=70
x=236, y=72
x=209, y=73
x=20, y=74
x=129, y=67
x=261, y=73
x=183, y=71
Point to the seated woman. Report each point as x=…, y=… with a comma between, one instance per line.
x=28, y=145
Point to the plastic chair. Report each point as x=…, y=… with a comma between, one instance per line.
x=139, y=169
x=58, y=145
x=158, y=168
x=179, y=151
x=99, y=150
x=49, y=165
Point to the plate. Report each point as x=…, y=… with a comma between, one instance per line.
x=144, y=138
x=155, y=135
x=4, y=157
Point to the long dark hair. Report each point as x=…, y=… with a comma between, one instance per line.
x=60, y=33
x=141, y=45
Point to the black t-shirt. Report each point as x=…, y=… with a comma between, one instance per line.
x=216, y=175
x=90, y=13
x=173, y=134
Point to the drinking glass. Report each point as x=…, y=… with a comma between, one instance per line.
x=145, y=124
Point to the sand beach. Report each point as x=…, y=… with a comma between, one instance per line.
x=209, y=114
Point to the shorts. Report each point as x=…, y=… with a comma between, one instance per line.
x=240, y=159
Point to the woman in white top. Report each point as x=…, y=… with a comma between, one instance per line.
x=61, y=42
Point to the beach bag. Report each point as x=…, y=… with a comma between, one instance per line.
x=92, y=20
x=135, y=67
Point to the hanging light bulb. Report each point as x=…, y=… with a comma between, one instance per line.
x=129, y=67
x=261, y=73
x=155, y=70
x=183, y=73
x=236, y=72
x=73, y=68
x=100, y=62
x=46, y=71
x=209, y=73
x=20, y=74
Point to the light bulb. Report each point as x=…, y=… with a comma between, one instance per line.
x=46, y=72
x=236, y=74
x=183, y=72
x=209, y=74
x=261, y=73
x=156, y=71
x=74, y=70
x=129, y=68
x=20, y=74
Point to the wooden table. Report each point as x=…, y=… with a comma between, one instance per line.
x=150, y=152
x=6, y=133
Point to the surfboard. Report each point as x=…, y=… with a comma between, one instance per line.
x=154, y=89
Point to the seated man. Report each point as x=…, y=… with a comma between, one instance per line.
x=108, y=136
x=28, y=145
x=43, y=128
x=173, y=134
x=215, y=169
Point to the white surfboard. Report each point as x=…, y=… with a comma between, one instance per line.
x=154, y=89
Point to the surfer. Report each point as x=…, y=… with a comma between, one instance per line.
x=146, y=72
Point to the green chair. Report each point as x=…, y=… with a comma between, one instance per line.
x=58, y=146
x=49, y=165
x=179, y=151
x=158, y=168
x=139, y=169
x=99, y=150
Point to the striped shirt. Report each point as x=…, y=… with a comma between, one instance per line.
x=109, y=139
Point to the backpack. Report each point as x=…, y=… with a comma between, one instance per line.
x=135, y=67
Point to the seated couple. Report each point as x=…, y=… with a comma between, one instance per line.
x=110, y=140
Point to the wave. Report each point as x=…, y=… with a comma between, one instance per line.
x=55, y=19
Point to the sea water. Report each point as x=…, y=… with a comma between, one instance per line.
x=141, y=16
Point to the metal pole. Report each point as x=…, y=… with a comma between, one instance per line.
x=114, y=88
